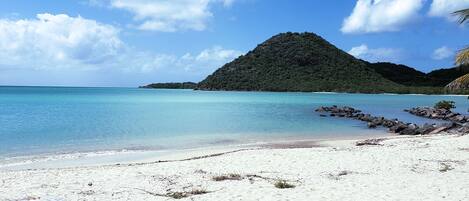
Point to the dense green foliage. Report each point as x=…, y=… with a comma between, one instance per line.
x=448, y=105
x=306, y=62
x=173, y=85
x=408, y=76
x=298, y=62
x=443, y=77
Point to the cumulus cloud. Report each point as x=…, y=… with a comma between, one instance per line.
x=57, y=41
x=217, y=53
x=370, y=16
x=170, y=15
x=442, y=53
x=375, y=55
x=204, y=62
x=63, y=43
x=445, y=8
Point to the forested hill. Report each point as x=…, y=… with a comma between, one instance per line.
x=298, y=62
x=408, y=76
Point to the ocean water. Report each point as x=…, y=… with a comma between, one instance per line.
x=46, y=120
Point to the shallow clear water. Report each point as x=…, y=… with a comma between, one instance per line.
x=36, y=120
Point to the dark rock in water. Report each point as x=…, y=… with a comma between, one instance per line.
x=438, y=130
x=372, y=125
x=397, y=128
x=464, y=129
x=459, y=122
x=409, y=131
x=458, y=118
x=427, y=128
x=434, y=113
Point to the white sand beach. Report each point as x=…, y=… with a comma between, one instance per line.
x=400, y=168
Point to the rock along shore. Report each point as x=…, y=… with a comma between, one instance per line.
x=443, y=114
x=394, y=125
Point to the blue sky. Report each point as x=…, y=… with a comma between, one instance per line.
x=134, y=42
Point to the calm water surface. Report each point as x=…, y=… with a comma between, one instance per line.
x=37, y=120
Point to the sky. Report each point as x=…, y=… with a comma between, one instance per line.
x=128, y=43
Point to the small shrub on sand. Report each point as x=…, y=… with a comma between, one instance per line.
x=227, y=177
x=180, y=195
x=283, y=184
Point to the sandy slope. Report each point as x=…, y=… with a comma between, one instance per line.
x=416, y=168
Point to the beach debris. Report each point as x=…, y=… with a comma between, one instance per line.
x=463, y=149
x=200, y=171
x=177, y=194
x=90, y=184
x=27, y=198
x=227, y=177
x=339, y=174
x=445, y=167
x=370, y=142
x=394, y=125
x=87, y=193
x=283, y=184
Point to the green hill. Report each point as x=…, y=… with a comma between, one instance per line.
x=402, y=74
x=442, y=77
x=298, y=62
x=408, y=76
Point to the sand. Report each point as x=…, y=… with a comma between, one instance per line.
x=400, y=168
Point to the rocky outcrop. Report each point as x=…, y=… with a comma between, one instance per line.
x=393, y=125
x=443, y=114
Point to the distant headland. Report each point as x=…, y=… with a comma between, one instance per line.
x=172, y=85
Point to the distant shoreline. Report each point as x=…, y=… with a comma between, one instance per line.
x=142, y=87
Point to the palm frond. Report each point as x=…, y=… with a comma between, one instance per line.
x=463, y=56
x=463, y=15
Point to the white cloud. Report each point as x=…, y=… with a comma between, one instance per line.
x=170, y=15
x=381, y=15
x=206, y=61
x=57, y=41
x=376, y=55
x=63, y=43
x=445, y=8
x=442, y=53
x=217, y=53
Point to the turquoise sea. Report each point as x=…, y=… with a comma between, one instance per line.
x=42, y=120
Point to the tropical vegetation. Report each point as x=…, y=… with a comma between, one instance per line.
x=306, y=62
x=172, y=85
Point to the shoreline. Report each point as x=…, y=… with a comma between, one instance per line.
x=397, y=168
x=131, y=156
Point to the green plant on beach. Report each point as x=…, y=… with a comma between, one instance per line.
x=282, y=184
x=448, y=105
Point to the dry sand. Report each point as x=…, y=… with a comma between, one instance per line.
x=401, y=168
